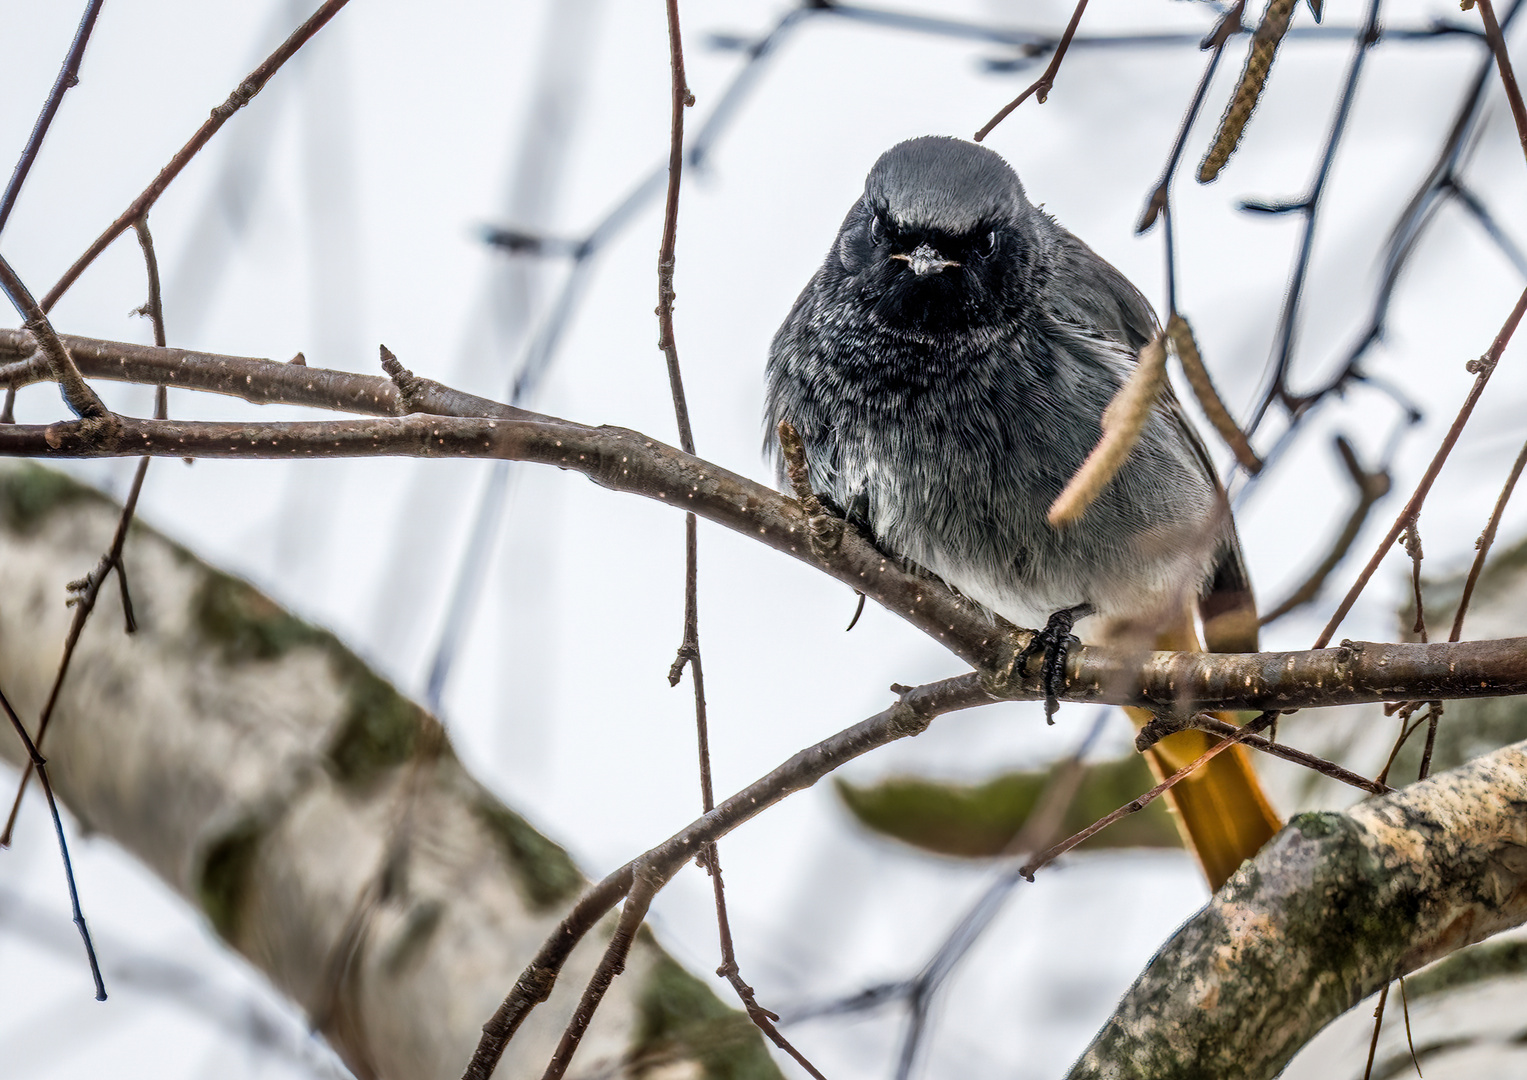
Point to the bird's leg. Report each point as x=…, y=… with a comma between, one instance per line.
x=1053, y=642
x=824, y=523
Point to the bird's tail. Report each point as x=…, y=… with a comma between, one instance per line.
x=1220, y=808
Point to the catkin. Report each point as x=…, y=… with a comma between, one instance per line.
x=1264, y=47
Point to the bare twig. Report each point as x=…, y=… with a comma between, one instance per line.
x=1378, y=1025
x=77, y=393
x=1409, y=1040
x=1482, y=369
x=1046, y=82
x=910, y=715
x=1485, y=542
x=1433, y=714
x=68, y=77
x=1309, y=208
x=1441, y=181
x=689, y=648
x=1224, y=729
x=1228, y=26
x=1371, y=487
x=260, y=381
x=1407, y=729
x=242, y=95
x=1049, y=855
x=1503, y=63
x=39, y=763
x=85, y=597
x=645, y=882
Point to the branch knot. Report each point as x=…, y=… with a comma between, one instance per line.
x=409, y=385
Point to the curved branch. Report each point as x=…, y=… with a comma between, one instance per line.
x=623, y=460
x=1332, y=909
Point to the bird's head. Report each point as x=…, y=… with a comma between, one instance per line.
x=941, y=236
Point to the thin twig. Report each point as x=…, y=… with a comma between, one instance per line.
x=1378, y=1024
x=1482, y=369
x=689, y=648
x=1371, y=487
x=1228, y=26
x=1135, y=805
x=1419, y=212
x=1409, y=1039
x=1433, y=714
x=645, y=882
x=1407, y=729
x=1485, y=542
x=1224, y=729
x=762, y=1018
x=1503, y=63
x=242, y=95
x=38, y=762
x=77, y=393
x=1309, y=207
x=68, y=77
x=910, y=715
x=1041, y=86
x=85, y=597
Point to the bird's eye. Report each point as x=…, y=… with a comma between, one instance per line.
x=877, y=229
x=988, y=247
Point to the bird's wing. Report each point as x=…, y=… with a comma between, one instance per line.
x=1090, y=295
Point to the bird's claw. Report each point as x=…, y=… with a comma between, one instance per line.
x=1054, y=642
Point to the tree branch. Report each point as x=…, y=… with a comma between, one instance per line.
x=623, y=460
x=1329, y=912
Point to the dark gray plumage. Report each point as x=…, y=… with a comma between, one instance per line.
x=948, y=367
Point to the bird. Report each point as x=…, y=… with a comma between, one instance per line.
x=947, y=369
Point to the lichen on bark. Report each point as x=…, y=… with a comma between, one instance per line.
x=1329, y=911
x=30, y=493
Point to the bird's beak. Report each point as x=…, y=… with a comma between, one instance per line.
x=925, y=260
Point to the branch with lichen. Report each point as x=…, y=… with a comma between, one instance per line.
x=1335, y=907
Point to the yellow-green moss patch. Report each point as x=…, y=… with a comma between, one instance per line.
x=679, y=1018
x=546, y=874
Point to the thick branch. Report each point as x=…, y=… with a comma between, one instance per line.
x=623, y=460
x=1332, y=909
x=263, y=382
x=615, y=458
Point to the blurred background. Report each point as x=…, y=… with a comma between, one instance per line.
x=353, y=204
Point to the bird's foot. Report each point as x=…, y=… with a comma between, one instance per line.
x=824, y=527
x=1053, y=643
